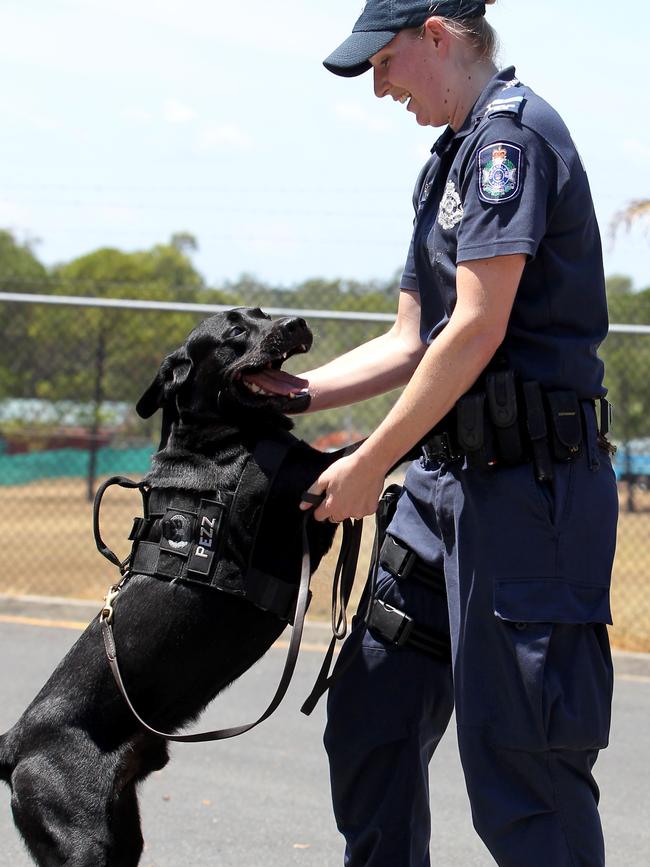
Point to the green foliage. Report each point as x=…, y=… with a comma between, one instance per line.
x=20, y=270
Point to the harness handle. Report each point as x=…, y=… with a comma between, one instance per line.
x=102, y=547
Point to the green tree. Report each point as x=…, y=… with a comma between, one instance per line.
x=91, y=356
x=20, y=272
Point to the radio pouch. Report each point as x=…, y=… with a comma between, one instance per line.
x=537, y=431
x=502, y=409
x=474, y=435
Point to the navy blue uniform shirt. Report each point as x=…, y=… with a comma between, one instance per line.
x=511, y=181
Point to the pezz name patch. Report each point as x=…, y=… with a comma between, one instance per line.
x=499, y=172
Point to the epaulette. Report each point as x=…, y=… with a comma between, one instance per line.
x=510, y=101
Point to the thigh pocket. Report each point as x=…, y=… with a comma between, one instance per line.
x=554, y=683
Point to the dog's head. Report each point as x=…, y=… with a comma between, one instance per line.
x=232, y=361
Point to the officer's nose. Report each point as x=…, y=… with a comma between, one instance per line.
x=378, y=82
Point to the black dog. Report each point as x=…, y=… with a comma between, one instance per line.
x=74, y=758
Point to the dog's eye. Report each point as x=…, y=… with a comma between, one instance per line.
x=235, y=331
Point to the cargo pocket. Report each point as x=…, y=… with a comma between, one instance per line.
x=554, y=684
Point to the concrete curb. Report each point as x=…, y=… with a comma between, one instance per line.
x=56, y=609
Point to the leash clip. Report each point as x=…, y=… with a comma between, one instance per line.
x=106, y=613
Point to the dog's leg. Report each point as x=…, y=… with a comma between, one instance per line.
x=60, y=807
x=127, y=842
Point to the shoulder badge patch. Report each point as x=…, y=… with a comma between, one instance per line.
x=450, y=212
x=499, y=172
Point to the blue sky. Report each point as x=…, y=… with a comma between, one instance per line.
x=125, y=121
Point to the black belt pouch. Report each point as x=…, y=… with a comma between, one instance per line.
x=502, y=407
x=474, y=431
x=566, y=426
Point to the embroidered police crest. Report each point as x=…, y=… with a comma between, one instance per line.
x=450, y=212
x=499, y=172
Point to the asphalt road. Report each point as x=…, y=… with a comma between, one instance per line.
x=262, y=800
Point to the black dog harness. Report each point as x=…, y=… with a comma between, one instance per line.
x=208, y=538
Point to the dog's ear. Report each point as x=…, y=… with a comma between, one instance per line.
x=172, y=374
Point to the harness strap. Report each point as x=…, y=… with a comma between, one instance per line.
x=287, y=674
x=402, y=562
x=397, y=627
x=248, y=503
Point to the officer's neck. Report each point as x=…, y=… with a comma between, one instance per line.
x=469, y=84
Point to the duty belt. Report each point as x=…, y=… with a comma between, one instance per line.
x=506, y=422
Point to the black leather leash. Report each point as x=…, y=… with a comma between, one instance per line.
x=345, y=572
x=325, y=680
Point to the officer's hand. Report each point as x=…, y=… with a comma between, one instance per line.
x=352, y=487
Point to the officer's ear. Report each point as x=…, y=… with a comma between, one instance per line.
x=172, y=374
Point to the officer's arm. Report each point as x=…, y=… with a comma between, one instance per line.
x=486, y=290
x=374, y=367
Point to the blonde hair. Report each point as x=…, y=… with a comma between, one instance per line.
x=476, y=31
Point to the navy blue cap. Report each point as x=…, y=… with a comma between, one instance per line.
x=382, y=19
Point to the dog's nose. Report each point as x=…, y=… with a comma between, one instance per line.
x=295, y=328
x=293, y=324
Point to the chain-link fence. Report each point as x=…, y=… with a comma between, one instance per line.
x=71, y=371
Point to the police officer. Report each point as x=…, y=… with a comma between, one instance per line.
x=504, y=534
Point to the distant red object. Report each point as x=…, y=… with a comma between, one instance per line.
x=64, y=438
x=337, y=439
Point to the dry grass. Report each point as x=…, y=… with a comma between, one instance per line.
x=47, y=548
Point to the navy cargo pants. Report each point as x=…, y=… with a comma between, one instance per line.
x=527, y=568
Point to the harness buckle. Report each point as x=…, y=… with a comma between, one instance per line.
x=397, y=558
x=106, y=614
x=392, y=624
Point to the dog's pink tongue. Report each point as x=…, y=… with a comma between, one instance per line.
x=277, y=382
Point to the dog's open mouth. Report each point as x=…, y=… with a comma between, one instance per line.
x=269, y=381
